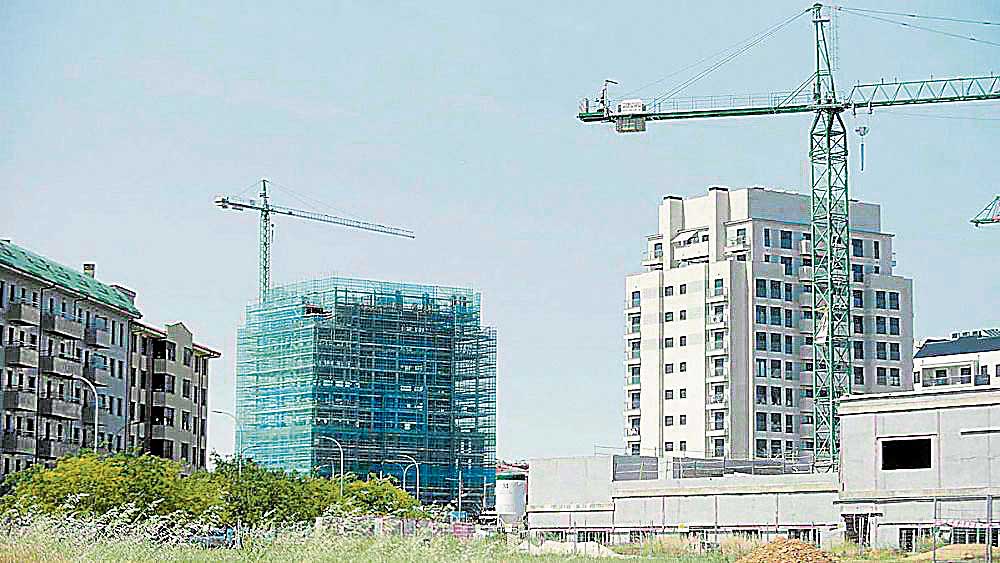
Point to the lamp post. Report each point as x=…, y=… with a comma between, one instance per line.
x=238, y=427
x=417, y=465
x=341, y=448
x=96, y=408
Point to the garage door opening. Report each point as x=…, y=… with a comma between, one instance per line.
x=906, y=454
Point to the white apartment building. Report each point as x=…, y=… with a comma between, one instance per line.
x=967, y=359
x=718, y=341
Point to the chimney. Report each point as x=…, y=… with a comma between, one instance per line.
x=90, y=269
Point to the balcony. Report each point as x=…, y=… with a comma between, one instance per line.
x=691, y=251
x=20, y=399
x=716, y=427
x=806, y=299
x=62, y=325
x=805, y=247
x=631, y=306
x=632, y=431
x=717, y=321
x=737, y=244
x=806, y=325
x=715, y=349
x=652, y=257
x=98, y=336
x=55, y=449
x=717, y=374
x=805, y=273
x=716, y=294
x=18, y=443
x=631, y=331
x=23, y=314
x=95, y=369
x=19, y=356
x=61, y=365
x=806, y=351
x=717, y=401
x=632, y=381
x=57, y=407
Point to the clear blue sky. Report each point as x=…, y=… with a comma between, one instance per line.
x=120, y=122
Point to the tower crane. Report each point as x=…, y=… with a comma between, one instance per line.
x=266, y=208
x=830, y=229
x=990, y=215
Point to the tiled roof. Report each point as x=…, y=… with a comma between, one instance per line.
x=962, y=345
x=15, y=257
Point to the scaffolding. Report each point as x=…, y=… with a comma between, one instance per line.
x=386, y=369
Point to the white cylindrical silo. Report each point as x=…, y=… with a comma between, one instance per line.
x=511, y=498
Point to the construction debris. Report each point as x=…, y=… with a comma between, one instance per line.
x=783, y=550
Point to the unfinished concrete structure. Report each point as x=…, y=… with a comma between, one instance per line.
x=911, y=462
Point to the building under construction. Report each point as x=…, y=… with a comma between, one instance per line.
x=386, y=370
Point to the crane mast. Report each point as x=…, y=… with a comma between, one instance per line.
x=830, y=217
x=266, y=209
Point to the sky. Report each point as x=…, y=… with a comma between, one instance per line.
x=120, y=122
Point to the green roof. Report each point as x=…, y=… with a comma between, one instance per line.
x=15, y=257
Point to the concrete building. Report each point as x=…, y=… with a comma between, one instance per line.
x=59, y=327
x=911, y=462
x=168, y=394
x=970, y=358
x=718, y=343
x=393, y=379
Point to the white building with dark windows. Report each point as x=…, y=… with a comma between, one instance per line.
x=718, y=343
x=967, y=359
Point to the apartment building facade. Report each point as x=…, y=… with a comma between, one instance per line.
x=967, y=359
x=168, y=394
x=718, y=343
x=61, y=332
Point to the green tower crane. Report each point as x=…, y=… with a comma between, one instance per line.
x=829, y=190
x=990, y=215
x=266, y=208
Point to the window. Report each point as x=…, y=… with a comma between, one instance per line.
x=859, y=349
x=682, y=446
x=857, y=248
x=894, y=300
x=668, y=291
x=906, y=454
x=786, y=263
x=775, y=342
x=875, y=247
x=894, y=377
x=760, y=341
x=635, y=298
x=775, y=422
x=880, y=351
x=668, y=446
x=682, y=315
x=682, y=288
x=788, y=344
x=760, y=288
x=760, y=422
x=859, y=375
x=786, y=239
x=776, y=316
x=682, y=367
x=857, y=272
x=880, y=376
x=894, y=326
x=776, y=396
x=859, y=298
x=683, y=341
x=760, y=395
x=775, y=289
x=894, y=350
x=761, y=367
x=880, y=300
x=682, y=419
x=788, y=318
x=858, y=322
x=788, y=292
x=767, y=237
x=668, y=316
x=760, y=314
x=669, y=368
x=776, y=369
x=186, y=389
x=880, y=325
x=668, y=420
x=789, y=397
x=668, y=342
x=683, y=393
x=668, y=394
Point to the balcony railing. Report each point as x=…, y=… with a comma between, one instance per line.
x=632, y=431
x=23, y=313
x=62, y=324
x=717, y=399
x=632, y=380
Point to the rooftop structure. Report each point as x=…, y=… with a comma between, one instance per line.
x=970, y=358
x=387, y=371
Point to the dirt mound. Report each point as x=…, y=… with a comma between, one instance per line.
x=784, y=550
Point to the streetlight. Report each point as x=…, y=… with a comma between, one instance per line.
x=406, y=467
x=341, y=448
x=96, y=408
x=120, y=428
x=459, y=488
x=237, y=424
x=417, y=465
